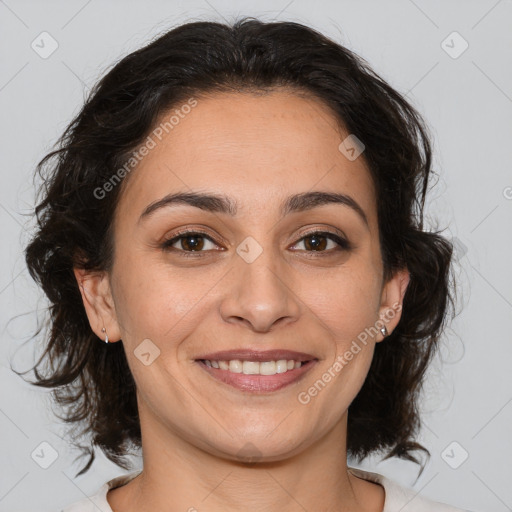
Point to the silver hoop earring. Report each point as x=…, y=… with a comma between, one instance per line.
x=106, y=335
x=384, y=331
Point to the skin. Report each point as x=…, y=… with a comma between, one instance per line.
x=257, y=149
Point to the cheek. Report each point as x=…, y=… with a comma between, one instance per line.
x=157, y=302
x=346, y=301
x=347, y=306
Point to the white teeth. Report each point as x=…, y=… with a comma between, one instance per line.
x=268, y=368
x=281, y=366
x=235, y=366
x=251, y=367
x=255, y=367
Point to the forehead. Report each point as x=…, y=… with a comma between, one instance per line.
x=258, y=148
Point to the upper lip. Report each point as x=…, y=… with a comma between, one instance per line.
x=256, y=355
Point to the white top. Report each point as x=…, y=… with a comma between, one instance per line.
x=398, y=499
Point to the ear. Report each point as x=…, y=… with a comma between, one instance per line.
x=98, y=302
x=391, y=303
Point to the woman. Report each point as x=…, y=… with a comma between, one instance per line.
x=237, y=212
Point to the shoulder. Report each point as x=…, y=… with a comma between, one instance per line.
x=397, y=499
x=98, y=501
x=401, y=499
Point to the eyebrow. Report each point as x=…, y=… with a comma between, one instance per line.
x=223, y=204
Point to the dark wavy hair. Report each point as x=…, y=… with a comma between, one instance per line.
x=91, y=382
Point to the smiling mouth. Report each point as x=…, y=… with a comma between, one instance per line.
x=254, y=367
x=257, y=376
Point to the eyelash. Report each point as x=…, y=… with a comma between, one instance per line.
x=343, y=244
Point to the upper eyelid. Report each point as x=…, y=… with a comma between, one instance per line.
x=329, y=231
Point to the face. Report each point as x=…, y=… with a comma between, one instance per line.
x=256, y=269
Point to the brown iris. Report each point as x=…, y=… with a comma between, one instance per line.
x=319, y=242
x=192, y=242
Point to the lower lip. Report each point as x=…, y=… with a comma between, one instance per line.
x=258, y=383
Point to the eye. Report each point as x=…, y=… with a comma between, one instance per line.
x=318, y=241
x=190, y=241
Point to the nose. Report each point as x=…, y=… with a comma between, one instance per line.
x=261, y=294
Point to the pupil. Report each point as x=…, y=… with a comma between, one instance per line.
x=316, y=243
x=193, y=243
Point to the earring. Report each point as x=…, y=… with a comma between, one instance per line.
x=384, y=331
x=106, y=335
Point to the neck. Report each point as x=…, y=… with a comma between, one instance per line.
x=180, y=476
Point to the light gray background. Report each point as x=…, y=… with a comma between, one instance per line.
x=467, y=101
